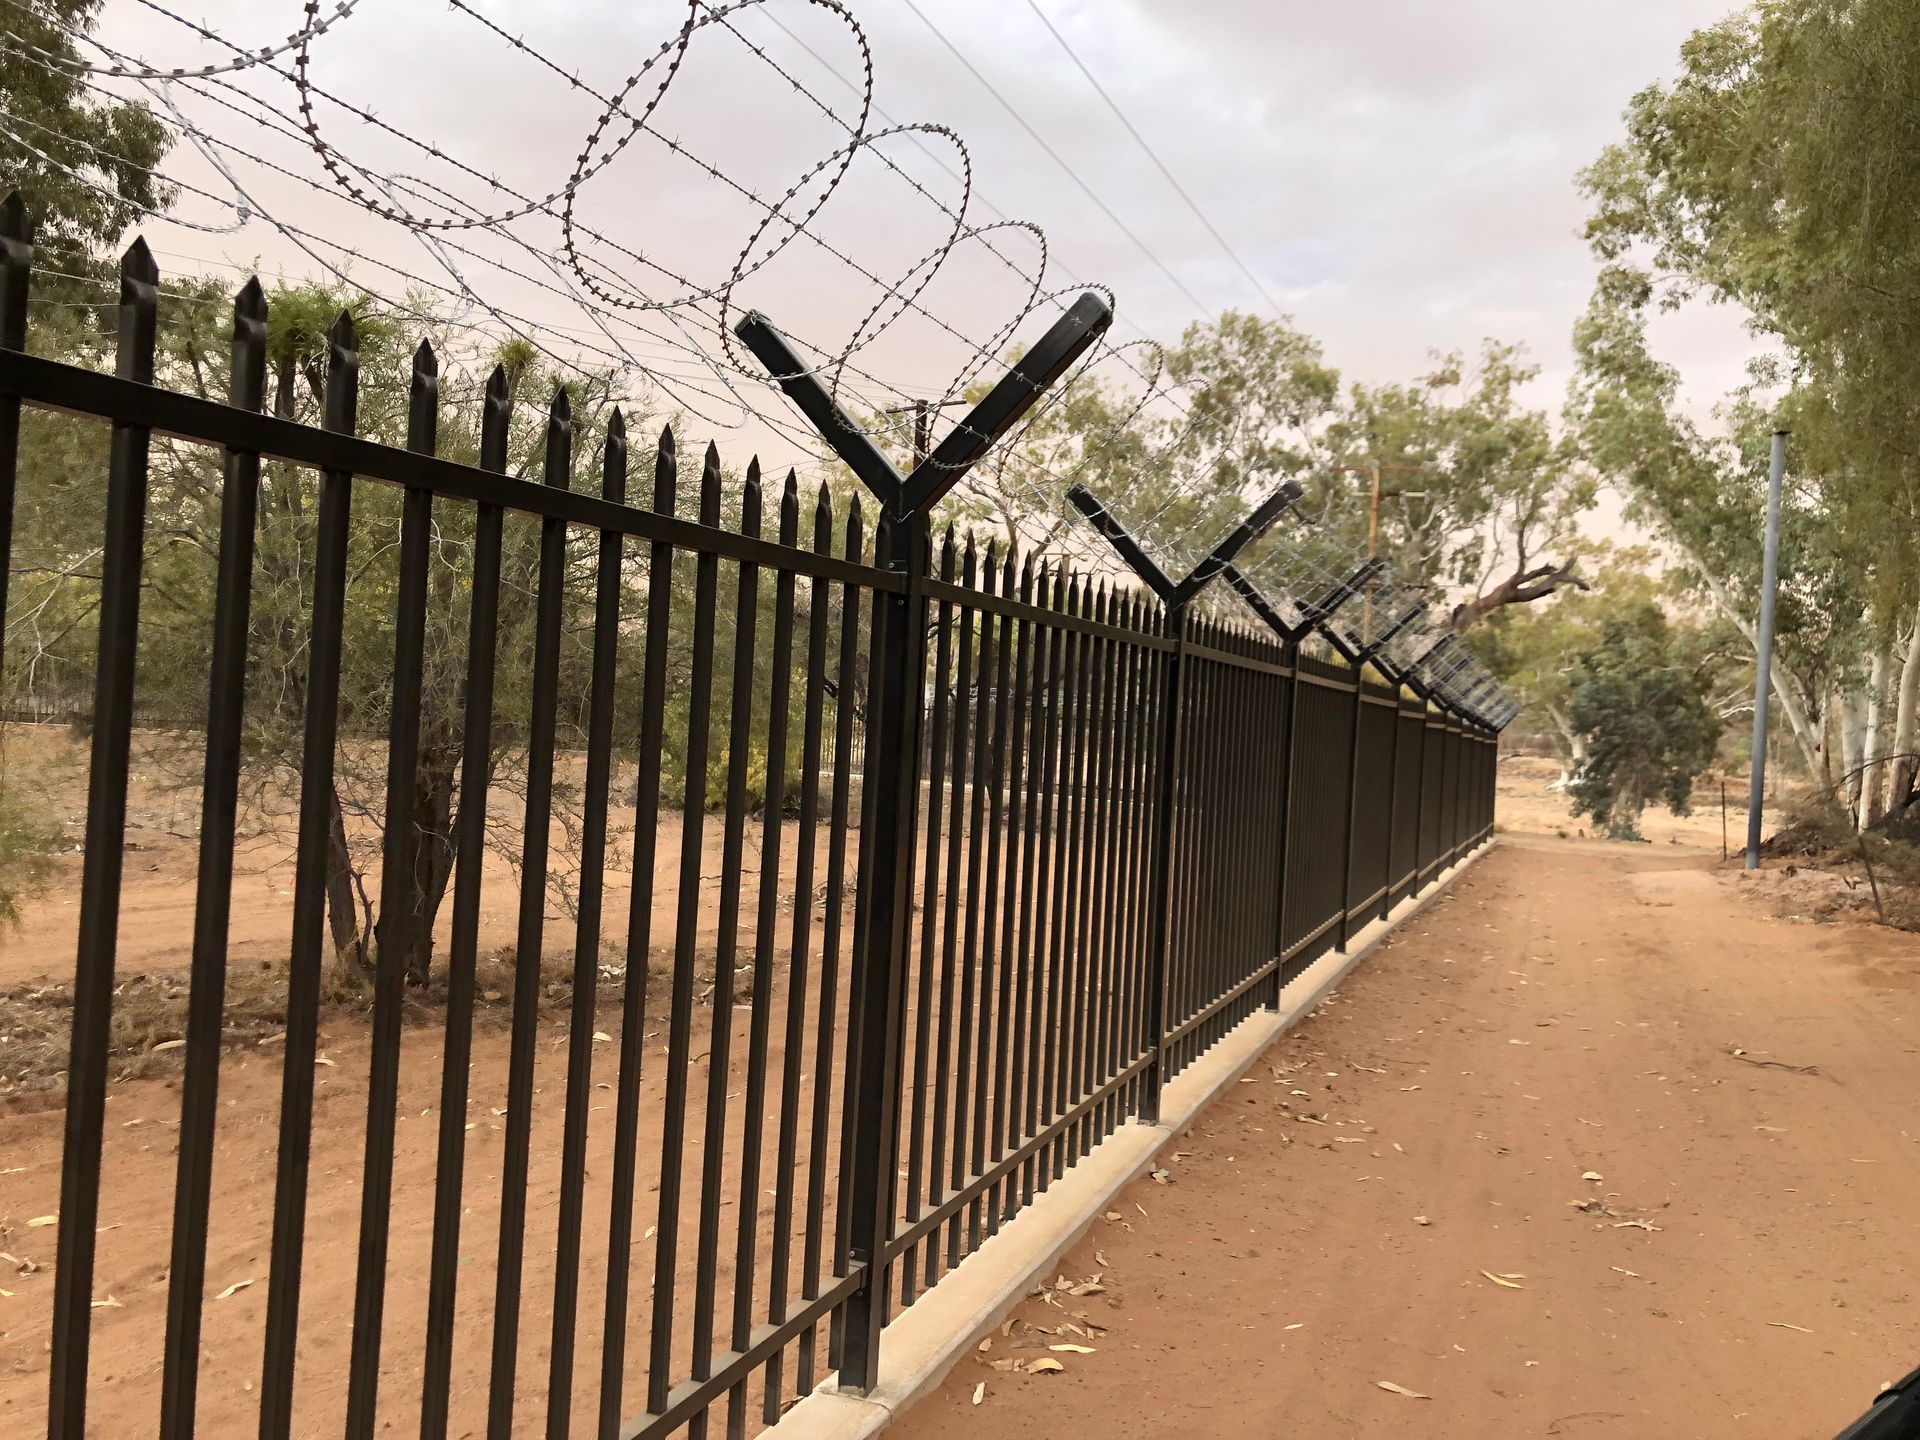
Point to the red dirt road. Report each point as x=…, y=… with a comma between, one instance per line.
x=1748, y=1263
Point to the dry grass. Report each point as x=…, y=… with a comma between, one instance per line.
x=149, y=1020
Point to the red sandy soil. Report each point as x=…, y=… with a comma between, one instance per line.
x=1745, y=1263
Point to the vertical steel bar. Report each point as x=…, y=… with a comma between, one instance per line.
x=929, y=910
x=309, y=894
x=1353, y=807
x=1039, y=782
x=1008, y=721
x=1073, y=914
x=535, y=841
x=1015, y=963
x=397, y=925
x=1160, y=866
x=1097, y=902
x=1289, y=807
x=673, y=1130
x=469, y=841
x=706, y=1273
x=972, y=1013
x=586, y=942
x=846, y=668
x=118, y=653
x=811, y=705
x=1132, y=814
x=945, y=1081
x=1393, y=802
x=1057, y=1036
x=766, y=917
x=993, y=1021
x=206, y=996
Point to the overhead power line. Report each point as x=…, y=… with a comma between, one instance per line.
x=1159, y=164
x=1054, y=155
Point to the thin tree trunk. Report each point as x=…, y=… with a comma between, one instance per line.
x=1873, y=760
x=1906, y=699
x=1852, y=736
x=1573, y=745
x=343, y=919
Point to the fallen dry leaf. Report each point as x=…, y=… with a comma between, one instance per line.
x=235, y=1288
x=40, y=1220
x=1401, y=1390
x=108, y=1304
x=169, y=1045
x=979, y=1392
x=1783, y=1325
x=1044, y=1367
x=602, y=1035
x=1073, y=1349
x=1502, y=1280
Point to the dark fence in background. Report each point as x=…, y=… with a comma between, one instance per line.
x=1090, y=835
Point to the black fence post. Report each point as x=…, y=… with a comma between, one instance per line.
x=1160, y=863
x=1175, y=598
x=876, y=1037
x=1288, y=787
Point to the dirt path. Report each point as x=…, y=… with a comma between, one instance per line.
x=1744, y=1265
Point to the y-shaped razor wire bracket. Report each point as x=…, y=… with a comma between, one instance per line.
x=967, y=443
x=1176, y=595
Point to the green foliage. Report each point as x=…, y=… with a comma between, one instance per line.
x=92, y=176
x=1778, y=173
x=1640, y=704
x=27, y=848
x=1491, y=514
x=1494, y=522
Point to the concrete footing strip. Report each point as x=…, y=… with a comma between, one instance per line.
x=947, y=1322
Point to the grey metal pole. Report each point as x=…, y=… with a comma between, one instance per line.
x=1769, y=583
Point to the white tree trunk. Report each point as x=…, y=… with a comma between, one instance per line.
x=1873, y=774
x=1794, y=701
x=1573, y=746
x=1905, y=702
x=1847, y=705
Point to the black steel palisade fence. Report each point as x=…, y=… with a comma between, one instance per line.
x=1029, y=844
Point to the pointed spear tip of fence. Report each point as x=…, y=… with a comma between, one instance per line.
x=426, y=364
x=344, y=334
x=561, y=408
x=138, y=264
x=251, y=301
x=823, y=505
x=753, y=473
x=497, y=385
x=991, y=553
x=790, y=488
x=617, y=429
x=665, y=448
x=1026, y=568
x=15, y=224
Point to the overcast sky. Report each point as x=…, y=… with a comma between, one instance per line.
x=1399, y=176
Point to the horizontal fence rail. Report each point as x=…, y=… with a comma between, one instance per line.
x=724, y=909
